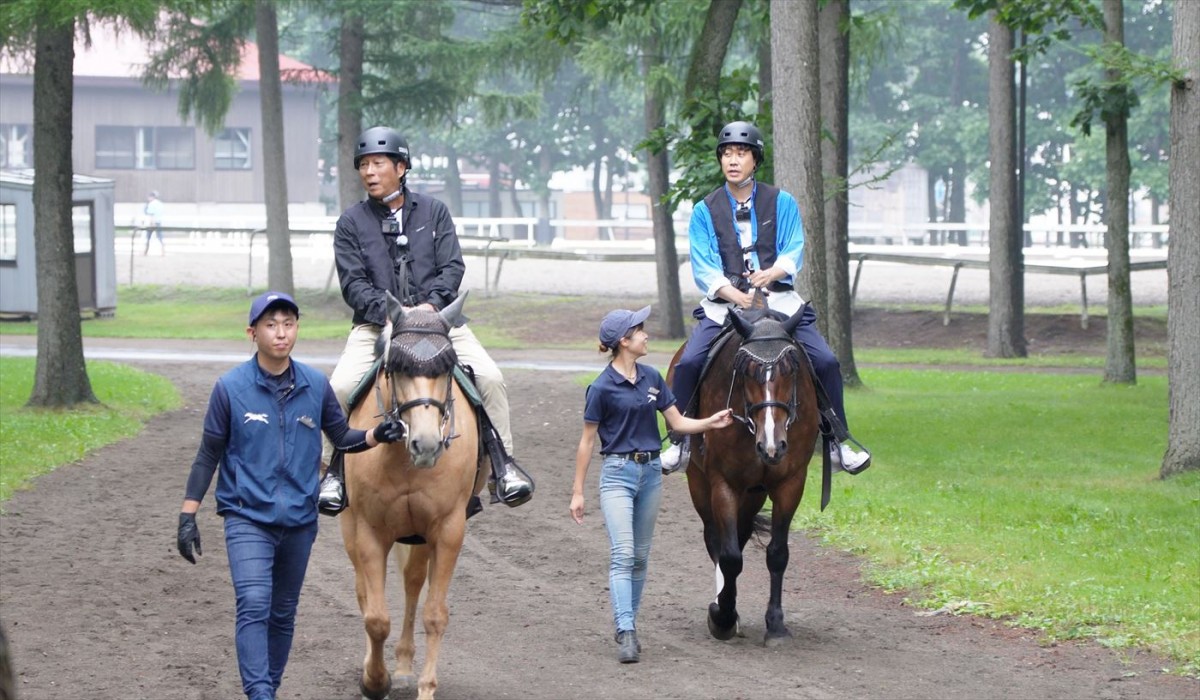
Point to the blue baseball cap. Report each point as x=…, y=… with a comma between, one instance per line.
x=617, y=323
x=269, y=299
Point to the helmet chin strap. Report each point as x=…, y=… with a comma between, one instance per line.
x=748, y=180
x=391, y=197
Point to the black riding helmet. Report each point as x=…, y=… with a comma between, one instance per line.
x=381, y=139
x=743, y=133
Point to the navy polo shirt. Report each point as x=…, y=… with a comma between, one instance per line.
x=626, y=411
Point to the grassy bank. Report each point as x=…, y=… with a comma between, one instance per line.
x=1029, y=497
x=33, y=442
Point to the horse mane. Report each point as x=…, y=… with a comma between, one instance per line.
x=420, y=346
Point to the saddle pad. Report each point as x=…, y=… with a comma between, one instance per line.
x=460, y=375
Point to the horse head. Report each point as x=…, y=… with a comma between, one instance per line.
x=418, y=362
x=768, y=362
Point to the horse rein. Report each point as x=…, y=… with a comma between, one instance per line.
x=393, y=410
x=751, y=408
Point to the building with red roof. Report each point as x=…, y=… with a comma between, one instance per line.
x=133, y=134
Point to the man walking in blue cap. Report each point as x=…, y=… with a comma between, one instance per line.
x=263, y=427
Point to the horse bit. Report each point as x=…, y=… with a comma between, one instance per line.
x=768, y=366
x=445, y=408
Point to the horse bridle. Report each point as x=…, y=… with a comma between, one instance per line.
x=768, y=366
x=394, y=409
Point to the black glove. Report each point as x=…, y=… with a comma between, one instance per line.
x=389, y=431
x=189, y=536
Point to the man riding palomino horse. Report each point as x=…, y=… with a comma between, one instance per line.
x=747, y=235
x=405, y=243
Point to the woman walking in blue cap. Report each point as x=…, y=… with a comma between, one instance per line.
x=621, y=406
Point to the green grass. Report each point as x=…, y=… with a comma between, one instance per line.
x=972, y=358
x=201, y=313
x=1094, y=310
x=33, y=442
x=1029, y=497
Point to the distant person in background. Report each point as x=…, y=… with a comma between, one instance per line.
x=154, y=211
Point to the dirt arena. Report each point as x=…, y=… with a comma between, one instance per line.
x=98, y=604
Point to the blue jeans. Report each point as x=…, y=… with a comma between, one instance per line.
x=629, y=498
x=267, y=565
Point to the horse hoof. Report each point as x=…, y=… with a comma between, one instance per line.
x=380, y=694
x=723, y=634
x=403, y=683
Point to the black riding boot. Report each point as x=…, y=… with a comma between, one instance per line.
x=510, y=484
x=332, y=499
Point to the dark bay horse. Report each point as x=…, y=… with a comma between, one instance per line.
x=764, y=376
x=412, y=491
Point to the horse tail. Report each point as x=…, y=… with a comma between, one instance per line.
x=762, y=524
x=760, y=529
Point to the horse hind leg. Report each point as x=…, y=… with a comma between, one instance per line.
x=444, y=552
x=413, y=565
x=777, y=562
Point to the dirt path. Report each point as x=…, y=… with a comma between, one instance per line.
x=98, y=604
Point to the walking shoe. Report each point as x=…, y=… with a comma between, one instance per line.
x=676, y=456
x=332, y=498
x=851, y=460
x=628, y=647
x=514, y=487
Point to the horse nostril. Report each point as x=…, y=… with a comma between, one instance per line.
x=782, y=446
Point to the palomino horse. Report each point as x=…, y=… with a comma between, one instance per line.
x=415, y=491
x=763, y=375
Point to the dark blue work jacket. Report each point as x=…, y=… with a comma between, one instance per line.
x=269, y=472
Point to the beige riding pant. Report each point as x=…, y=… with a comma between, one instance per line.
x=359, y=355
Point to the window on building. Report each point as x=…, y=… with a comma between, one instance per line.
x=175, y=148
x=16, y=146
x=8, y=232
x=145, y=147
x=231, y=150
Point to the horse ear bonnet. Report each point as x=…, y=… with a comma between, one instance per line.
x=421, y=345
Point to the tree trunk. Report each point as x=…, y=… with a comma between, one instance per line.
x=350, y=78
x=957, y=194
x=545, y=172
x=835, y=157
x=708, y=53
x=1119, y=364
x=60, y=375
x=931, y=178
x=658, y=171
x=1006, y=323
x=514, y=197
x=597, y=198
x=495, y=209
x=454, y=195
x=765, y=82
x=279, y=245
x=1183, y=256
x=796, y=70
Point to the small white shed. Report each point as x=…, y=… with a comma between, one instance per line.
x=95, y=253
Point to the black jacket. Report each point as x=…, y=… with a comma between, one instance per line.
x=368, y=262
